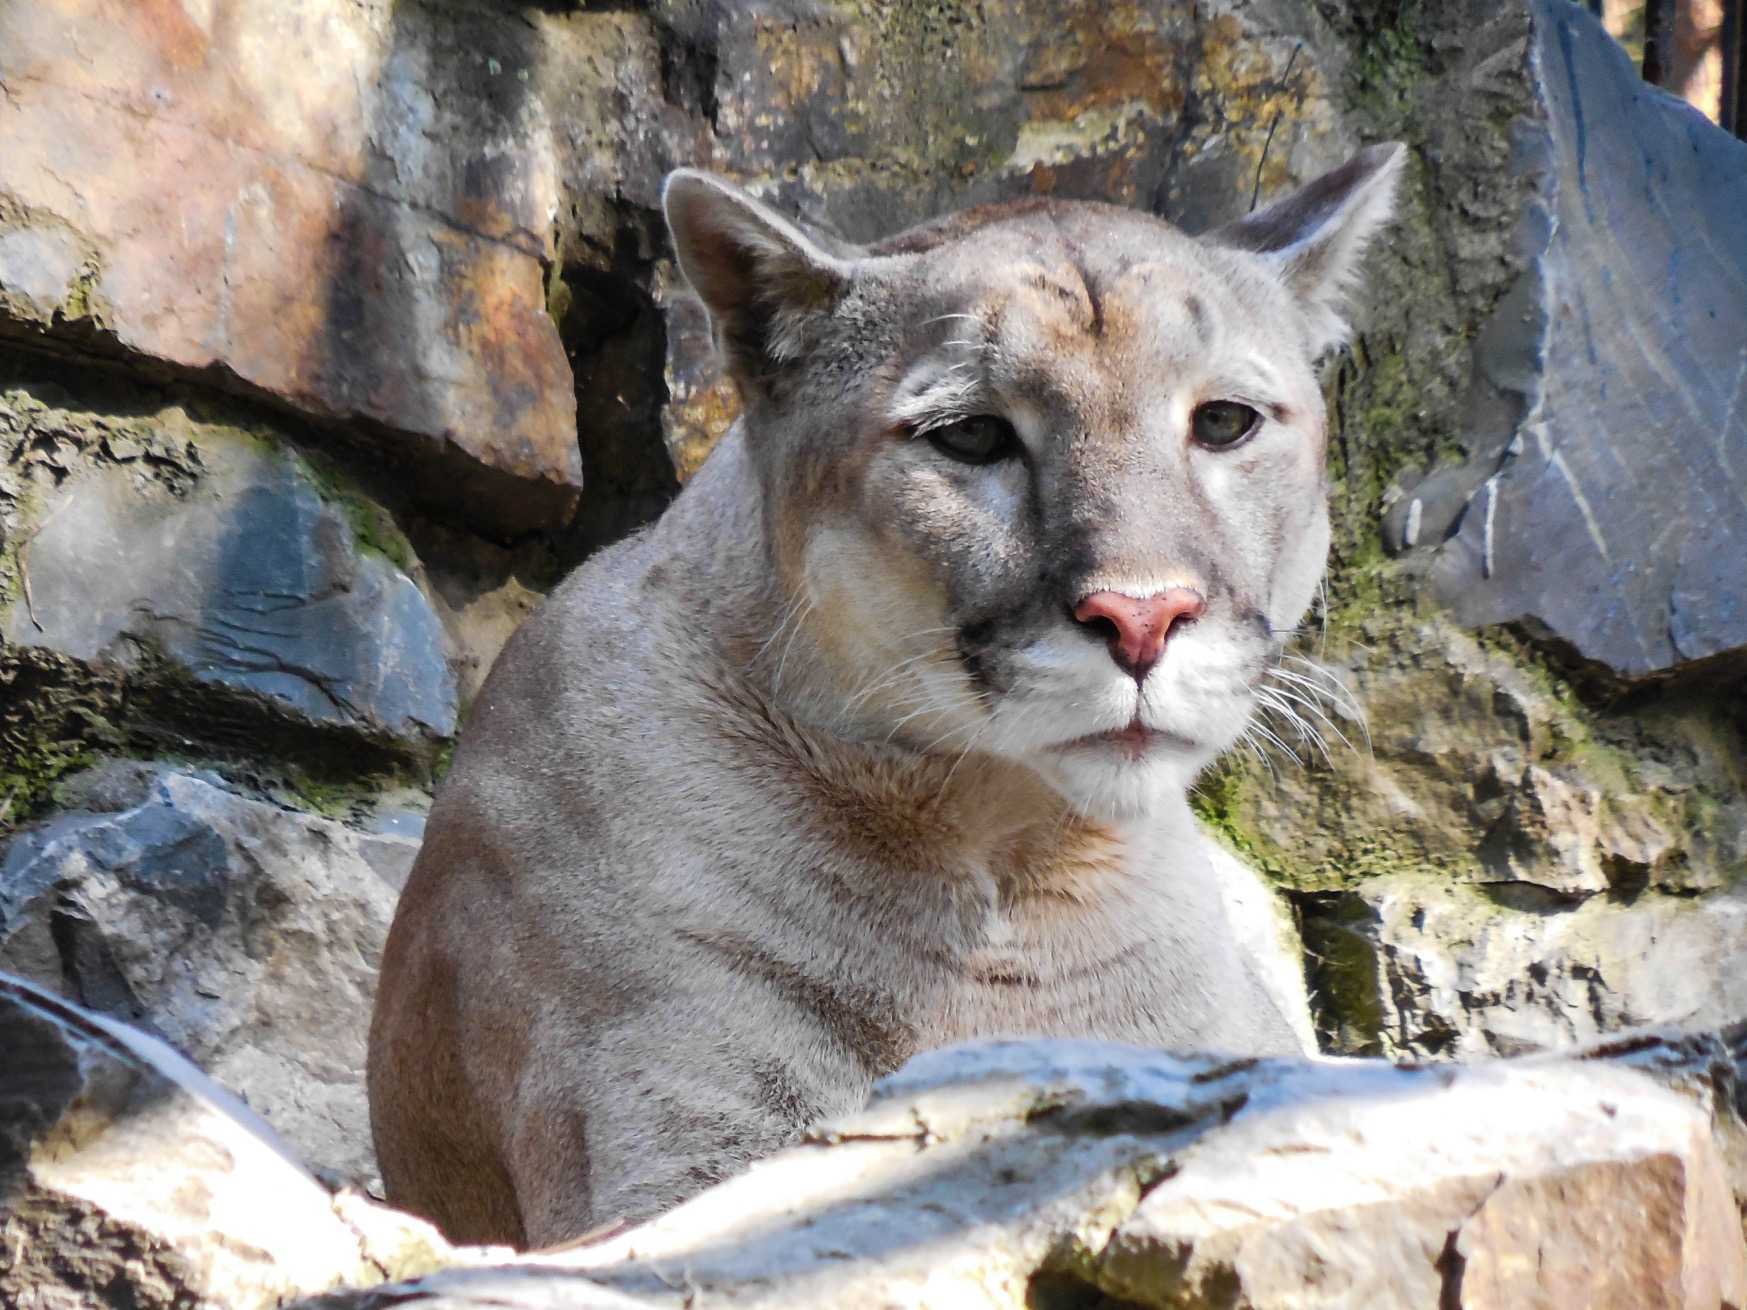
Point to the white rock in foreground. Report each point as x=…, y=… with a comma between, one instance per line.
x=1058, y=1174
x=128, y=1178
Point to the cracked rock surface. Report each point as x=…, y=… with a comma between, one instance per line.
x=245, y=577
x=127, y=1178
x=1076, y=1174
x=1542, y=831
x=357, y=226
x=244, y=935
x=1613, y=516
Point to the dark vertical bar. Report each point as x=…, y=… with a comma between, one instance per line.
x=1733, y=115
x=1658, y=38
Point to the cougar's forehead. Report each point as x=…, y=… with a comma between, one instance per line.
x=1092, y=307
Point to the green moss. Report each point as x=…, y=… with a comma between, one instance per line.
x=1391, y=60
x=1578, y=737
x=21, y=511
x=1232, y=799
x=326, y=796
x=373, y=527
x=559, y=297
x=1217, y=799
x=27, y=780
x=56, y=717
x=1341, y=971
x=81, y=301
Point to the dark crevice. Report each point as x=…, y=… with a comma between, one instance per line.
x=1451, y=1264
x=615, y=337
x=689, y=68
x=1532, y=897
x=1658, y=39
x=89, y=973
x=436, y=475
x=163, y=708
x=1341, y=970
x=1599, y=686
x=1139, y=1118
x=1732, y=114
x=1054, y=1289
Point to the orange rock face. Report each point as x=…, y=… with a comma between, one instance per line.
x=276, y=196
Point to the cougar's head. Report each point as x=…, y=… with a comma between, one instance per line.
x=1042, y=480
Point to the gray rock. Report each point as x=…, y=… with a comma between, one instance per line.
x=246, y=935
x=127, y=1178
x=1056, y=1174
x=38, y=265
x=249, y=580
x=1611, y=517
x=1418, y=970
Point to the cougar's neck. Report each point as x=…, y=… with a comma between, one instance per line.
x=719, y=538
x=716, y=539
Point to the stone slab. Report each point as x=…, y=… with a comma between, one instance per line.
x=1471, y=972
x=1066, y=1174
x=1611, y=518
x=251, y=579
x=128, y=1178
x=327, y=204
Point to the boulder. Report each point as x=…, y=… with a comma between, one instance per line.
x=127, y=1178
x=1494, y=867
x=244, y=934
x=1607, y=513
x=204, y=549
x=1409, y=969
x=1073, y=1174
x=344, y=207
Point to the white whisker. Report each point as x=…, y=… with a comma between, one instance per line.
x=1274, y=738
x=789, y=645
x=1324, y=685
x=1307, y=733
x=790, y=612
x=1309, y=703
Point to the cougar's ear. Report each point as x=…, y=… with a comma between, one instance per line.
x=1315, y=237
x=759, y=275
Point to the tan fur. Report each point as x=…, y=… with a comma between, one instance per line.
x=807, y=777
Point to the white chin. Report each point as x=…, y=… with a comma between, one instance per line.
x=1110, y=781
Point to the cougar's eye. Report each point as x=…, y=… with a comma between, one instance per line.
x=980, y=439
x=1222, y=423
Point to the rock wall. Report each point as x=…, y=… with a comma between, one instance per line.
x=1543, y=832
x=332, y=334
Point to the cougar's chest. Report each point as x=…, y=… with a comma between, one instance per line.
x=1075, y=958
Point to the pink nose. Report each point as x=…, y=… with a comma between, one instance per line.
x=1137, y=628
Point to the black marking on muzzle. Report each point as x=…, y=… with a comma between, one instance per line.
x=973, y=644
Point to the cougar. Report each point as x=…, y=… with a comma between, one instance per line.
x=879, y=739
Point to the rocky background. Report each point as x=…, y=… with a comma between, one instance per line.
x=333, y=333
